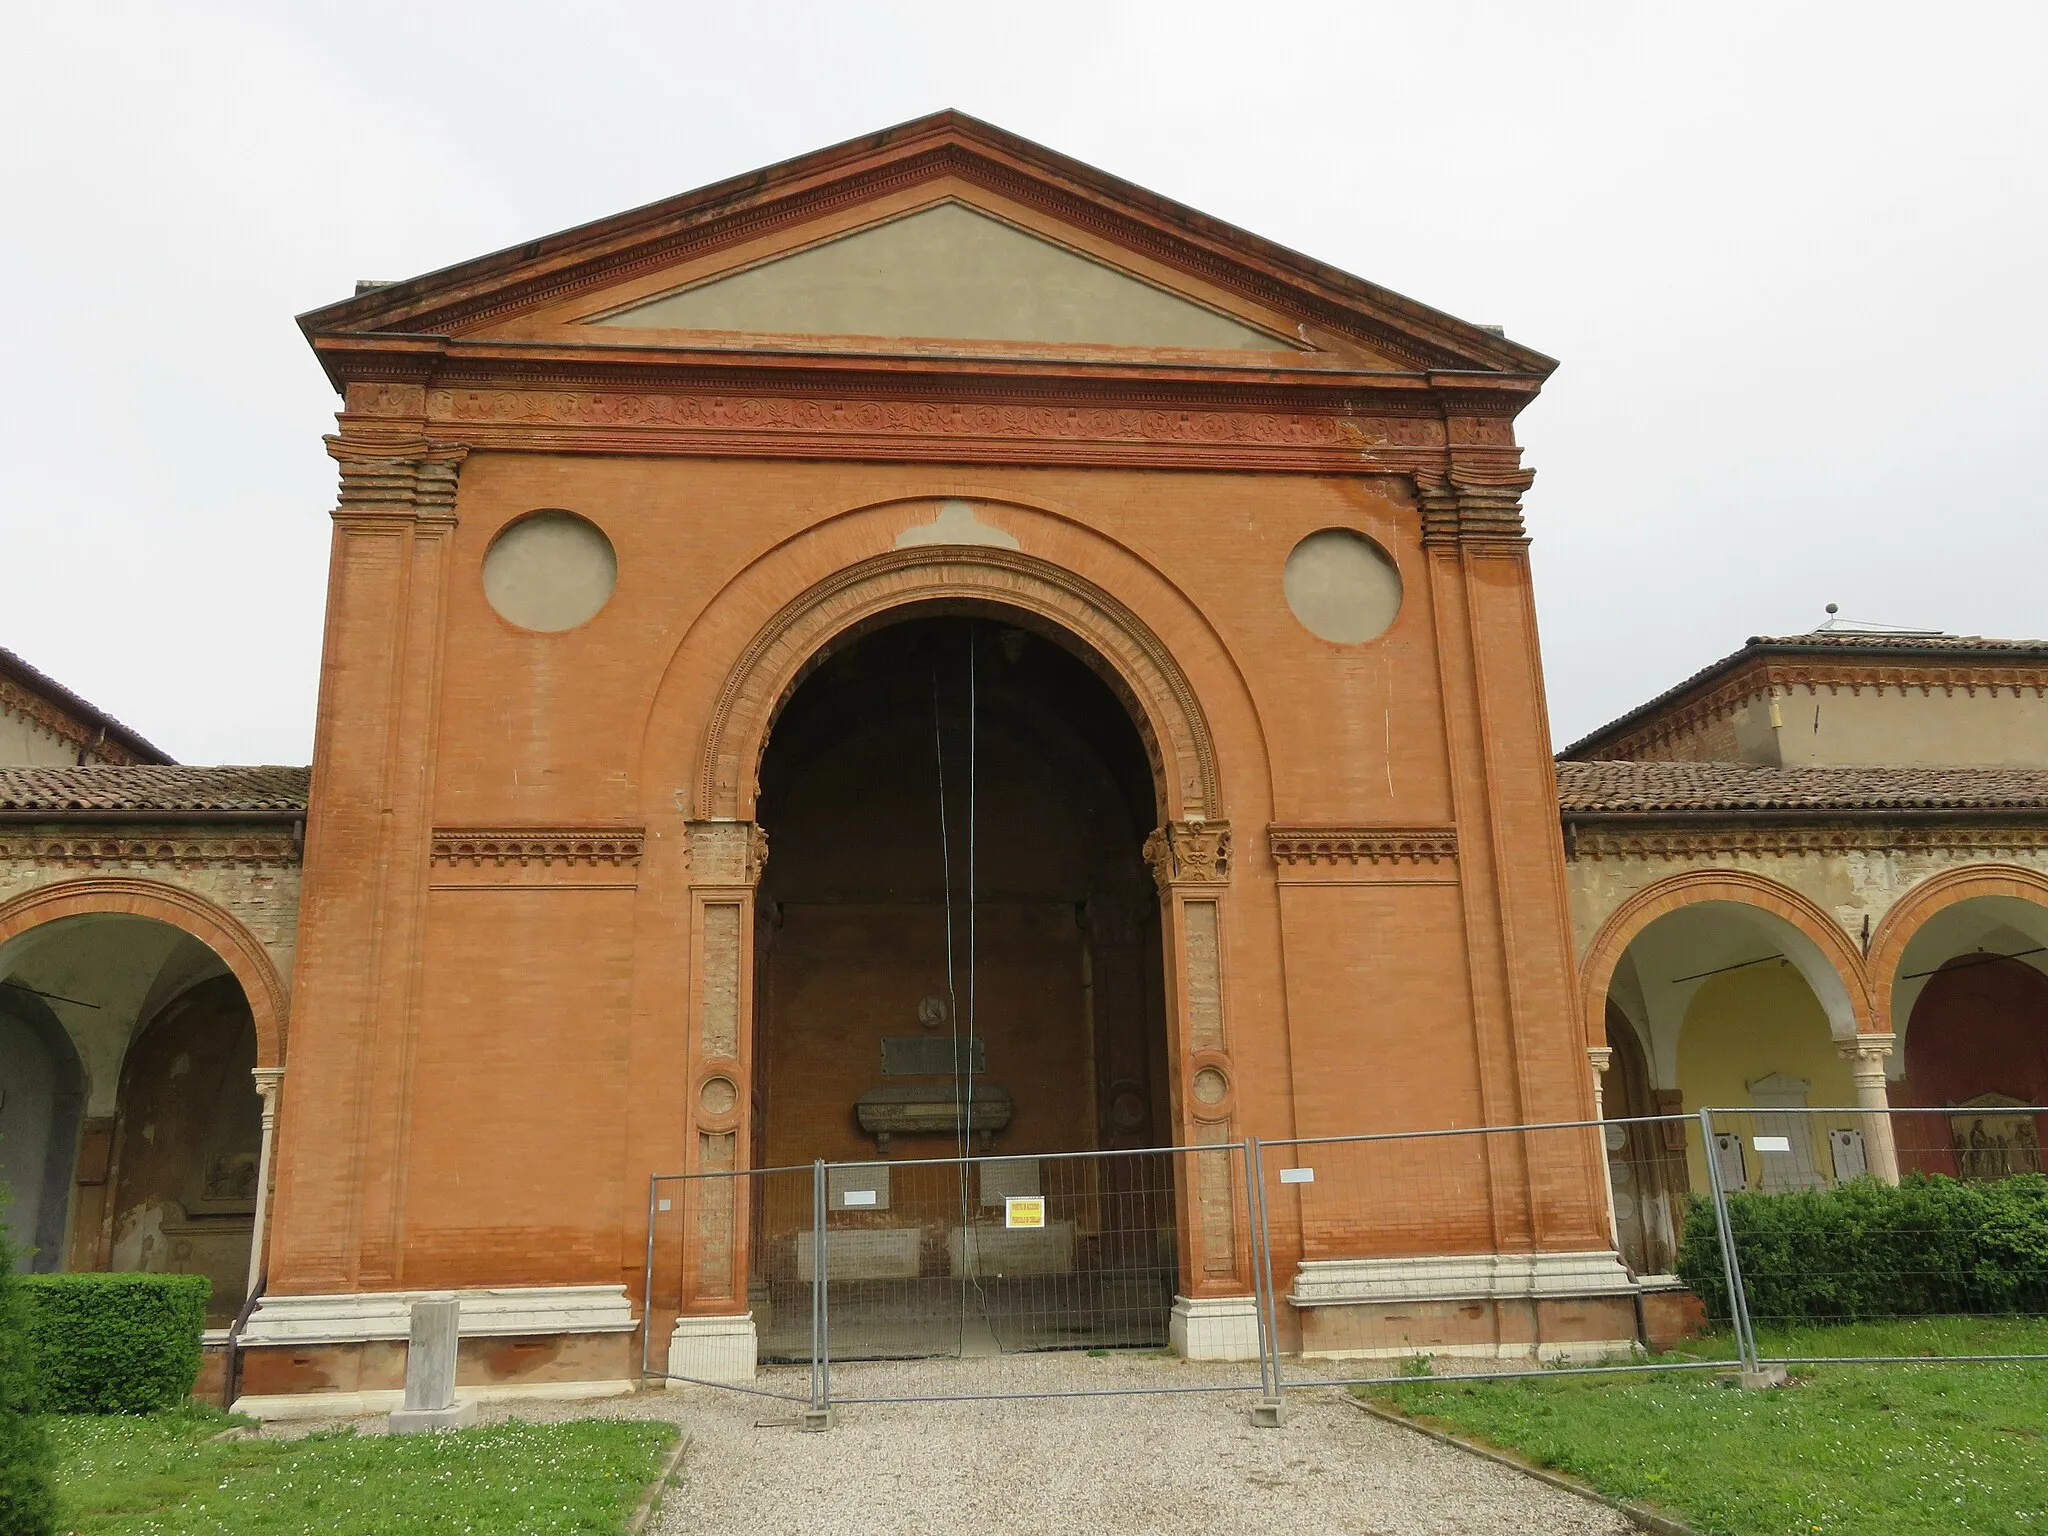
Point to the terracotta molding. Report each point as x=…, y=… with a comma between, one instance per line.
x=95, y=741
x=1362, y=845
x=214, y=926
x=1132, y=660
x=1603, y=954
x=396, y=479
x=1679, y=842
x=1929, y=896
x=477, y=847
x=1761, y=679
x=177, y=848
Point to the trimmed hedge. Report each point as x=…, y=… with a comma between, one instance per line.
x=116, y=1343
x=1929, y=1246
x=28, y=1503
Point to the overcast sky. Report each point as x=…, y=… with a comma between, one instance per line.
x=1792, y=258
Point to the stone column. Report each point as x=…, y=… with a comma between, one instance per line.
x=1866, y=1057
x=269, y=1080
x=715, y=1338
x=1215, y=1317
x=1602, y=1057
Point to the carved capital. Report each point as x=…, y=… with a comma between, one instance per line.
x=1602, y=1057
x=1866, y=1053
x=1475, y=499
x=727, y=852
x=1189, y=853
x=412, y=479
x=269, y=1083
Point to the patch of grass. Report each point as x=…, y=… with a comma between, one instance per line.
x=167, y=1474
x=1897, y=1450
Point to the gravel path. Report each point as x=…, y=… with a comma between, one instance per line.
x=1126, y=1465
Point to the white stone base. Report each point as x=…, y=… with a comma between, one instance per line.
x=1460, y=1277
x=713, y=1349
x=1215, y=1328
x=413, y=1421
x=501, y=1311
x=356, y=1405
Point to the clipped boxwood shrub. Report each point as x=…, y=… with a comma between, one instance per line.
x=1930, y=1246
x=116, y=1343
x=28, y=1504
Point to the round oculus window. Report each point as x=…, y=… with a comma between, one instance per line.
x=550, y=571
x=1342, y=586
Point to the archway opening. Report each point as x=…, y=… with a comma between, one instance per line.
x=958, y=955
x=148, y=1145
x=1727, y=1005
x=1971, y=999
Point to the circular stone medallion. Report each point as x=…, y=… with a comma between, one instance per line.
x=1211, y=1085
x=550, y=571
x=718, y=1095
x=1342, y=586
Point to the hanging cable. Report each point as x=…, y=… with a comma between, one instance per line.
x=967, y=1122
x=946, y=885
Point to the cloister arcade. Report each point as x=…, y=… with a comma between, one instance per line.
x=1725, y=988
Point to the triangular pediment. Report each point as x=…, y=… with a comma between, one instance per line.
x=948, y=271
x=945, y=234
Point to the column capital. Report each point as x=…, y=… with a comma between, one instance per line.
x=1189, y=852
x=408, y=478
x=1601, y=1056
x=268, y=1081
x=1867, y=1051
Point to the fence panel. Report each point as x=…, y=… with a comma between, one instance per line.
x=718, y=1248
x=1477, y=1250
x=1823, y=1240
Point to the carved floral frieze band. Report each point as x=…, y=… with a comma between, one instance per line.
x=1736, y=841
x=1190, y=853
x=1297, y=845
x=502, y=847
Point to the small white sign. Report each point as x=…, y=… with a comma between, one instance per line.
x=1297, y=1175
x=1024, y=1211
x=858, y=1197
x=663, y=1205
x=1772, y=1143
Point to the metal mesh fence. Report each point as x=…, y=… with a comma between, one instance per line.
x=1839, y=1218
x=1486, y=1251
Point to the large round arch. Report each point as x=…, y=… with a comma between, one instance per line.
x=1911, y=912
x=215, y=927
x=1056, y=602
x=1830, y=946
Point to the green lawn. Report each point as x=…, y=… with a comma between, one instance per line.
x=167, y=1474
x=1903, y=1450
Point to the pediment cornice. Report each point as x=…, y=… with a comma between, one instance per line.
x=473, y=294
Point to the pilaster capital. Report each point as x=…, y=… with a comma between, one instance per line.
x=1867, y=1053
x=1475, y=498
x=397, y=477
x=727, y=852
x=1601, y=1057
x=269, y=1080
x=1189, y=852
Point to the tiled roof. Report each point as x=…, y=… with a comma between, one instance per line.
x=1593, y=789
x=37, y=681
x=165, y=788
x=1932, y=649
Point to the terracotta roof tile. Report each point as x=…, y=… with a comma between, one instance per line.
x=1590, y=789
x=164, y=788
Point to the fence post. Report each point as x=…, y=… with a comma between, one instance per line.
x=1731, y=1265
x=819, y=1414
x=647, y=1285
x=1269, y=1412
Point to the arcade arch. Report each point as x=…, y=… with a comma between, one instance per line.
x=141, y=1045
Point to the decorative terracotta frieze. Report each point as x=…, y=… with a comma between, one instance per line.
x=480, y=847
x=182, y=849
x=97, y=744
x=1354, y=845
x=1733, y=841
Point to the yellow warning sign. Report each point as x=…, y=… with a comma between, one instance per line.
x=1024, y=1210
